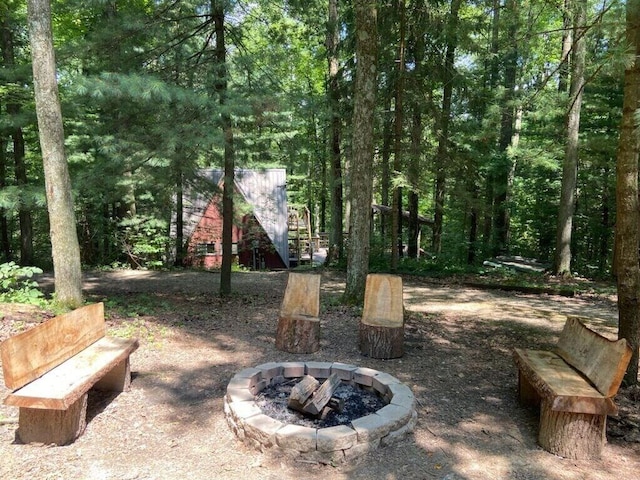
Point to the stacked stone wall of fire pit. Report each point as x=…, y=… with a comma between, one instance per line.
x=335, y=444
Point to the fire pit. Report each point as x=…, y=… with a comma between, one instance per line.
x=331, y=444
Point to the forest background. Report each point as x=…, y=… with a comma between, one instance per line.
x=498, y=120
x=470, y=122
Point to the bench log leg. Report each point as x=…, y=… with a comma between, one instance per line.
x=117, y=380
x=59, y=427
x=527, y=395
x=578, y=436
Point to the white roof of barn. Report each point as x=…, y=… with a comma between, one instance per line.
x=264, y=191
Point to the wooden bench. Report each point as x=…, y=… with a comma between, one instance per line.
x=574, y=386
x=381, y=332
x=298, y=323
x=51, y=367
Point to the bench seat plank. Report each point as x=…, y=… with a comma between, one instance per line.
x=59, y=388
x=561, y=385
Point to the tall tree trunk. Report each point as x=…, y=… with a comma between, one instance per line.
x=413, y=247
x=473, y=222
x=627, y=235
x=179, y=245
x=5, y=244
x=414, y=171
x=567, y=41
x=505, y=165
x=217, y=10
x=64, y=238
x=493, y=76
x=442, y=154
x=605, y=227
x=396, y=210
x=562, y=265
x=385, y=160
x=363, y=146
x=13, y=109
x=336, y=244
x=24, y=215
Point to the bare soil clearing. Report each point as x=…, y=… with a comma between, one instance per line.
x=457, y=361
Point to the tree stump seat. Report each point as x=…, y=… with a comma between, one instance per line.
x=381, y=332
x=574, y=387
x=298, y=328
x=51, y=367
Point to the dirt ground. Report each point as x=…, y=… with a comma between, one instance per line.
x=458, y=343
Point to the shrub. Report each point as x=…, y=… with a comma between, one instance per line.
x=17, y=284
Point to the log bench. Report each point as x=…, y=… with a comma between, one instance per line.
x=298, y=328
x=51, y=367
x=381, y=332
x=574, y=386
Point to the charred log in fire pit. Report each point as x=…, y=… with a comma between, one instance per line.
x=310, y=398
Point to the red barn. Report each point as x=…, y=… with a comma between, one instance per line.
x=260, y=231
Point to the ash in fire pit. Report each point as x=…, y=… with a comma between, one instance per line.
x=357, y=403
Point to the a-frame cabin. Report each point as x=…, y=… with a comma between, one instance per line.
x=260, y=231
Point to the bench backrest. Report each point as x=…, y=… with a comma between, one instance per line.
x=302, y=296
x=33, y=353
x=383, y=304
x=601, y=360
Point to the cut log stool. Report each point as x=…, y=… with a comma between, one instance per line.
x=298, y=324
x=382, y=323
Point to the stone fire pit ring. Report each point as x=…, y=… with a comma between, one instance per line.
x=336, y=444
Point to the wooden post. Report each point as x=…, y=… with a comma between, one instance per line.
x=382, y=324
x=298, y=324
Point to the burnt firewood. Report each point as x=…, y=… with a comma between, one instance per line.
x=301, y=392
x=309, y=397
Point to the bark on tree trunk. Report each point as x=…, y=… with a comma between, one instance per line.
x=361, y=172
x=627, y=235
x=64, y=238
